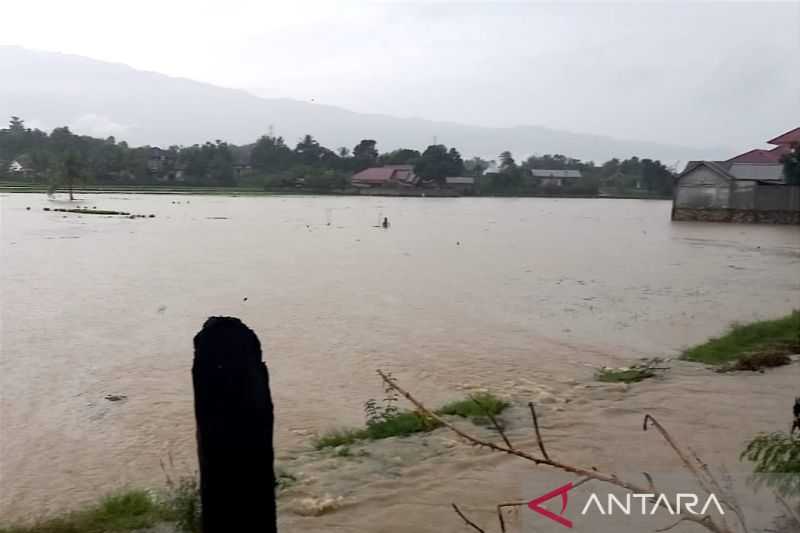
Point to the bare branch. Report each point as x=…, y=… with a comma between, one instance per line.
x=703, y=520
x=536, y=427
x=701, y=479
x=788, y=508
x=650, y=484
x=494, y=421
x=465, y=519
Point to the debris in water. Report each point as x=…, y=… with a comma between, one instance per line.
x=116, y=397
x=161, y=308
x=316, y=506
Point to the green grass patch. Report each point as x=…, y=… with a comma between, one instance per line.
x=624, y=375
x=339, y=437
x=126, y=511
x=779, y=337
x=402, y=424
x=476, y=406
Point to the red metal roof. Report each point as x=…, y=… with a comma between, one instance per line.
x=757, y=156
x=791, y=136
x=383, y=175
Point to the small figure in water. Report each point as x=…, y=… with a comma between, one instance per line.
x=385, y=223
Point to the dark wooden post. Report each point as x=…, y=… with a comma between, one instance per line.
x=233, y=408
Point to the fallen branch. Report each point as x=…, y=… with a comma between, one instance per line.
x=465, y=519
x=493, y=420
x=589, y=473
x=536, y=427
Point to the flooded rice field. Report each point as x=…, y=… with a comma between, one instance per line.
x=521, y=296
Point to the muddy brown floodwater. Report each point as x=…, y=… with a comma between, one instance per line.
x=521, y=296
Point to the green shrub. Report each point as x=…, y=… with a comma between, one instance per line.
x=777, y=461
x=633, y=374
x=124, y=511
x=776, y=336
x=402, y=424
x=339, y=437
x=476, y=406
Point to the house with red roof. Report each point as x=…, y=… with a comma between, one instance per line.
x=783, y=145
x=750, y=187
x=387, y=176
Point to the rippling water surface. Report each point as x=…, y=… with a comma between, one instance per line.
x=456, y=291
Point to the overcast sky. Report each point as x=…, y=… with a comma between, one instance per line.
x=724, y=74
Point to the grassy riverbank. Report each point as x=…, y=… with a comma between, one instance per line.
x=126, y=511
x=762, y=342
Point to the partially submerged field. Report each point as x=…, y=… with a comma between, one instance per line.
x=751, y=346
x=458, y=296
x=406, y=483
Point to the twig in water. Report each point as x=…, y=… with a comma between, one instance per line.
x=465, y=519
x=493, y=419
x=704, y=520
x=538, y=434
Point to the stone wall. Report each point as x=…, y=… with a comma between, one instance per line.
x=746, y=216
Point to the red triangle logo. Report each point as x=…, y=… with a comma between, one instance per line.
x=535, y=505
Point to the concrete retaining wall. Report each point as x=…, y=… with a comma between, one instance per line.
x=747, y=216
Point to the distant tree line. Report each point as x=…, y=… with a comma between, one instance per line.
x=62, y=158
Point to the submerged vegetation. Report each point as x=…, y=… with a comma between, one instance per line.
x=385, y=420
x=630, y=374
x=125, y=511
x=751, y=346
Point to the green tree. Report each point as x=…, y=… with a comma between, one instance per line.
x=437, y=163
x=656, y=177
x=366, y=153
x=507, y=163
x=309, y=152
x=403, y=156
x=71, y=169
x=791, y=165
x=270, y=154
x=476, y=166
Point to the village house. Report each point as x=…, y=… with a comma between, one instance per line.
x=783, y=145
x=388, y=176
x=462, y=184
x=747, y=188
x=16, y=167
x=554, y=178
x=158, y=160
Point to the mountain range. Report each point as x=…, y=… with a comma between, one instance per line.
x=99, y=98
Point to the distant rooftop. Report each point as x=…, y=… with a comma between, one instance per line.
x=460, y=180
x=765, y=172
x=791, y=136
x=383, y=175
x=544, y=173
